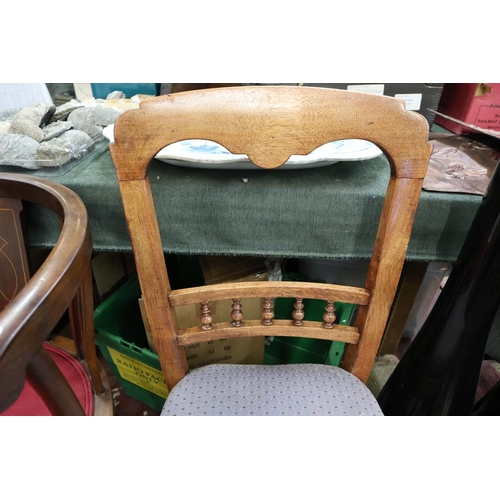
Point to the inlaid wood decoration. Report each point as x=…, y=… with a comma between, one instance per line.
x=14, y=272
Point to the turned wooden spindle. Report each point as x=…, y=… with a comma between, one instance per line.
x=298, y=312
x=206, y=317
x=236, y=313
x=267, y=311
x=329, y=316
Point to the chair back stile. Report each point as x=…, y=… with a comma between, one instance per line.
x=269, y=124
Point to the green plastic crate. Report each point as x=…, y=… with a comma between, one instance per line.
x=121, y=338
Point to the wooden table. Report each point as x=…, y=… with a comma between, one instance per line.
x=207, y=212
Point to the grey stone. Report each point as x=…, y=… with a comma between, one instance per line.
x=18, y=150
x=23, y=129
x=64, y=110
x=93, y=119
x=76, y=142
x=116, y=94
x=55, y=129
x=30, y=120
x=105, y=116
x=83, y=119
x=52, y=155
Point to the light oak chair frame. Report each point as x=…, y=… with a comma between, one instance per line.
x=269, y=124
x=63, y=282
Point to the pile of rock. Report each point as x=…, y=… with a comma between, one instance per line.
x=43, y=135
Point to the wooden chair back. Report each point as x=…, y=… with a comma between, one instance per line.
x=269, y=124
x=30, y=307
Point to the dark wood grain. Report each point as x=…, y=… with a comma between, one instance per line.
x=31, y=313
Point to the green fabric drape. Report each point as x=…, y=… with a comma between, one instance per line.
x=326, y=212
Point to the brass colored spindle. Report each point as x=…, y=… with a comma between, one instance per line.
x=298, y=312
x=267, y=311
x=329, y=316
x=206, y=317
x=236, y=313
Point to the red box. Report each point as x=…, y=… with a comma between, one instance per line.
x=474, y=103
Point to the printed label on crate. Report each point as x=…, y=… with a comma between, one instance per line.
x=140, y=374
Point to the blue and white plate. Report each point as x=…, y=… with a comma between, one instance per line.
x=200, y=153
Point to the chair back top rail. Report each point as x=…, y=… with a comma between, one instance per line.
x=301, y=119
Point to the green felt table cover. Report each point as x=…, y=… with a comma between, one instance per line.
x=326, y=212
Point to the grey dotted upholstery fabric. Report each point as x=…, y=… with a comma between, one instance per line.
x=279, y=390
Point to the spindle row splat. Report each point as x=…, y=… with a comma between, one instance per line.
x=298, y=314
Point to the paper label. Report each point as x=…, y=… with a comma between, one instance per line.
x=139, y=373
x=488, y=116
x=374, y=88
x=413, y=101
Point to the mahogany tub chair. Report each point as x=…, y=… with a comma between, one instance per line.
x=42, y=374
x=269, y=124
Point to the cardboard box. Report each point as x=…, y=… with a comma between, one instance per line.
x=474, y=103
x=419, y=97
x=222, y=269
x=248, y=350
x=108, y=273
